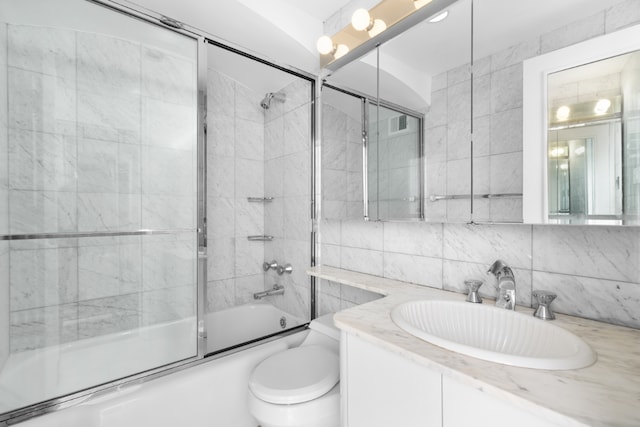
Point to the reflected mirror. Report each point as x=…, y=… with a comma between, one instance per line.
x=422, y=72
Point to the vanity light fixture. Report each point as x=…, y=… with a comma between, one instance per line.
x=439, y=17
x=420, y=3
x=602, y=106
x=361, y=21
x=325, y=46
x=557, y=152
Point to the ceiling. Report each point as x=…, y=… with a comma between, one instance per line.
x=285, y=31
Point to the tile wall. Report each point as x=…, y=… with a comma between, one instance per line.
x=593, y=269
x=100, y=137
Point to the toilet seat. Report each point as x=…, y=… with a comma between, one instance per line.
x=296, y=375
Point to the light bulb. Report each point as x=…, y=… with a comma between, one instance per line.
x=360, y=20
x=341, y=50
x=378, y=27
x=324, y=45
x=602, y=106
x=420, y=3
x=439, y=17
x=563, y=113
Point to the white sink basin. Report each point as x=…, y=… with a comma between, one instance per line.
x=493, y=334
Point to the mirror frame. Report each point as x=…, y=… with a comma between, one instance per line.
x=535, y=203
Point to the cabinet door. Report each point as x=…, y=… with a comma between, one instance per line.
x=384, y=389
x=464, y=406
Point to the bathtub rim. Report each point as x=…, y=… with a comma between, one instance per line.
x=79, y=397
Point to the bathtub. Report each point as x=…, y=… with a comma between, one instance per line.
x=209, y=394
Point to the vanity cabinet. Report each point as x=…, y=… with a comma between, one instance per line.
x=380, y=389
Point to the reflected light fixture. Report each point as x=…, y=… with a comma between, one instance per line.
x=563, y=113
x=361, y=21
x=420, y=3
x=557, y=152
x=602, y=106
x=439, y=17
x=579, y=151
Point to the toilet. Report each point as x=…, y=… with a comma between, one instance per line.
x=300, y=387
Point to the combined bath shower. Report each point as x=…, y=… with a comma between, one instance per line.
x=271, y=96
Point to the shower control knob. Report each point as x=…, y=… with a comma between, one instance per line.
x=273, y=265
x=287, y=268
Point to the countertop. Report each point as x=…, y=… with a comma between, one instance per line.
x=606, y=393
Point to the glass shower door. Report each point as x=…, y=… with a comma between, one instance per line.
x=98, y=198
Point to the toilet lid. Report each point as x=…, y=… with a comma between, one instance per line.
x=296, y=375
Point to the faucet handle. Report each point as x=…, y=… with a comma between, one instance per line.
x=266, y=266
x=473, y=285
x=544, y=300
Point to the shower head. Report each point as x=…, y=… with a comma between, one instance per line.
x=270, y=96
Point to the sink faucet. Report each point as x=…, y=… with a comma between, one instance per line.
x=506, y=285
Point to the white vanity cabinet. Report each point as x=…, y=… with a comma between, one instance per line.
x=382, y=389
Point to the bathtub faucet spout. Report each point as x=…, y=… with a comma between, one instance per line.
x=276, y=290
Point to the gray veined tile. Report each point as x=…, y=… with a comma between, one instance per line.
x=42, y=212
x=168, y=77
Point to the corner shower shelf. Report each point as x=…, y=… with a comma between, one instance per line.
x=260, y=238
x=260, y=199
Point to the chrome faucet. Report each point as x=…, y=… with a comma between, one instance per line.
x=276, y=290
x=506, y=285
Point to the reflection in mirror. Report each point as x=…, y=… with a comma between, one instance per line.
x=587, y=150
x=426, y=70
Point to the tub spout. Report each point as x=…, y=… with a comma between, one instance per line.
x=276, y=290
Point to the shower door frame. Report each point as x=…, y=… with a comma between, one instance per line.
x=203, y=39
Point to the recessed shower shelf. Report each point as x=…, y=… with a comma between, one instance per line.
x=260, y=199
x=260, y=238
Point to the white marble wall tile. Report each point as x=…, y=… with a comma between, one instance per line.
x=249, y=139
x=422, y=239
x=166, y=305
x=45, y=50
x=97, y=166
x=249, y=257
x=298, y=254
x=506, y=131
x=458, y=101
x=424, y=271
x=330, y=255
x=336, y=209
x=297, y=125
x=328, y=304
x=41, y=103
x=98, y=271
x=168, y=261
x=39, y=161
x=458, y=176
x=297, y=218
x=130, y=263
x=274, y=178
x=356, y=295
x=458, y=211
x=355, y=191
x=109, y=315
x=168, y=171
x=333, y=187
x=274, y=139
x=247, y=103
x=297, y=175
x=249, y=178
x=3, y=43
x=621, y=15
x=484, y=244
x=221, y=217
x=41, y=212
x=246, y=286
x=362, y=260
x=4, y=293
x=220, y=137
x=168, y=212
x=506, y=173
x=360, y=234
x=435, y=144
x=575, y=32
x=129, y=169
x=515, y=54
x=220, y=95
x=334, y=153
x=122, y=113
x=221, y=178
x=43, y=277
x=437, y=114
x=604, y=300
x=506, y=88
x=481, y=96
x=98, y=211
x=168, y=125
x=221, y=258
x=4, y=211
x=42, y=327
x=354, y=155
x=610, y=253
x=220, y=295
x=459, y=74
x=250, y=218
x=168, y=77
x=506, y=210
x=298, y=94
x=274, y=218
x=482, y=135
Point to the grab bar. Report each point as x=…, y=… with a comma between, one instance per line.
x=260, y=199
x=435, y=198
x=260, y=238
x=276, y=290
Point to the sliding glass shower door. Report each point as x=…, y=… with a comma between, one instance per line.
x=98, y=198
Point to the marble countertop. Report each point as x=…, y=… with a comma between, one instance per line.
x=606, y=393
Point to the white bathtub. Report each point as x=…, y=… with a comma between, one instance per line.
x=210, y=394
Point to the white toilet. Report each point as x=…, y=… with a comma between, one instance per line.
x=300, y=387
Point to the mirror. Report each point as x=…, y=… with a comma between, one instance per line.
x=423, y=71
x=529, y=166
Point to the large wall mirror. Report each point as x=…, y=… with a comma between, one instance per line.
x=545, y=149
x=422, y=80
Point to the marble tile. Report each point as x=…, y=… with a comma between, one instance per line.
x=458, y=140
x=168, y=261
x=458, y=177
x=97, y=166
x=41, y=212
x=44, y=50
x=274, y=178
x=362, y=260
x=168, y=171
x=506, y=88
x=610, y=253
x=41, y=161
x=98, y=211
x=332, y=209
x=221, y=218
x=221, y=253
x=328, y=304
x=421, y=270
x=5, y=290
x=334, y=153
x=506, y=173
x=168, y=212
x=357, y=296
x=421, y=239
x=274, y=218
x=43, y=327
x=129, y=211
x=246, y=286
x=220, y=295
x=439, y=81
x=274, y=139
x=109, y=315
x=220, y=137
x=486, y=243
x=330, y=255
x=249, y=178
x=573, y=33
x=506, y=131
x=249, y=257
x=249, y=140
x=459, y=74
x=117, y=113
x=515, y=54
x=220, y=95
x=506, y=210
x=355, y=190
x=247, y=103
x=4, y=93
x=604, y=300
x=298, y=94
x=459, y=102
x=167, y=77
x=437, y=115
x=168, y=125
x=40, y=102
x=129, y=169
x=297, y=218
x=481, y=96
x=297, y=179
x=334, y=185
x=298, y=254
x=130, y=264
x=360, y=234
x=166, y=305
x=221, y=178
x=249, y=218
x=482, y=135
x=621, y=15
x=297, y=136
x=44, y=277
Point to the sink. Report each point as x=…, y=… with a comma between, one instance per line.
x=493, y=334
